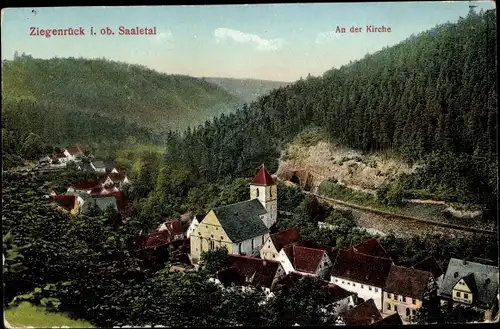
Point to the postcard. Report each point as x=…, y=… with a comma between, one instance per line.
x=250, y=165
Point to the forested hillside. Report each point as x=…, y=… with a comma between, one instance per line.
x=248, y=90
x=92, y=97
x=431, y=99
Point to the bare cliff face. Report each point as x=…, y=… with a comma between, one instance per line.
x=348, y=167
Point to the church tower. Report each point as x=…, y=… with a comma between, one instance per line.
x=263, y=187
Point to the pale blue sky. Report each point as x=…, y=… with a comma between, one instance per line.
x=275, y=42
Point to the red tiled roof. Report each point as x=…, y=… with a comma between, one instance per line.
x=372, y=248
x=263, y=178
x=430, y=264
x=304, y=259
x=174, y=227
x=337, y=293
x=393, y=319
x=262, y=271
x=284, y=238
x=60, y=155
x=361, y=268
x=90, y=184
x=157, y=239
x=65, y=201
x=406, y=281
x=74, y=150
x=96, y=190
x=363, y=314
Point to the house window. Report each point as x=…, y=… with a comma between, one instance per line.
x=336, y=280
x=257, y=192
x=458, y=293
x=354, y=285
x=252, y=244
x=262, y=239
x=212, y=244
x=343, y=282
x=466, y=296
x=376, y=289
x=413, y=312
x=414, y=301
x=389, y=296
x=362, y=286
x=407, y=311
x=388, y=306
x=216, y=228
x=369, y=288
x=404, y=299
x=274, y=255
x=239, y=248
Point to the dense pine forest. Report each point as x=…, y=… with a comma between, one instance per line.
x=431, y=99
x=79, y=97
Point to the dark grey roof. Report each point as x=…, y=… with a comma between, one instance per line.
x=241, y=220
x=485, y=278
x=99, y=164
x=102, y=203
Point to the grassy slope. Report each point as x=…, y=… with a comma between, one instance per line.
x=28, y=315
x=115, y=89
x=247, y=89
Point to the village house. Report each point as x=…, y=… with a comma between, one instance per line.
x=304, y=260
x=241, y=227
x=119, y=179
x=405, y=289
x=194, y=223
x=60, y=158
x=430, y=264
x=68, y=203
x=251, y=271
x=173, y=230
x=371, y=247
x=84, y=187
x=72, y=153
x=471, y=283
x=363, y=314
x=100, y=202
x=360, y=273
x=98, y=166
x=276, y=242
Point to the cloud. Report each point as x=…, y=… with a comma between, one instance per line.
x=242, y=37
x=327, y=37
x=163, y=37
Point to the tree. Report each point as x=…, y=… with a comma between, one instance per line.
x=214, y=260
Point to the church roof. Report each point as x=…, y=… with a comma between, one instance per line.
x=263, y=178
x=241, y=221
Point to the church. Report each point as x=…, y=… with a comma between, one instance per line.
x=241, y=227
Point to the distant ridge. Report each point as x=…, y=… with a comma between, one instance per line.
x=248, y=90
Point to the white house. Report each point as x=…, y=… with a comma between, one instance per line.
x=363, y=274
x=72, y=153
x=194, y=223
x=276, y=242
x=306, y=261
